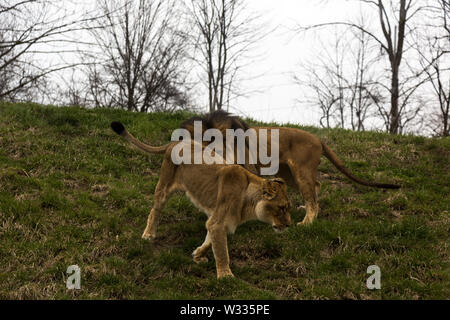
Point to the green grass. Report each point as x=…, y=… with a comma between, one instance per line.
x=72, y=192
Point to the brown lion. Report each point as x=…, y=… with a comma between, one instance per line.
x=299, y=157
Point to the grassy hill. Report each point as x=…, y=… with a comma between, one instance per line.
x=72, y=192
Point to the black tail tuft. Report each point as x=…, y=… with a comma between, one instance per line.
x=117, y=127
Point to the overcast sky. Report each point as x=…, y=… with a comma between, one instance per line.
x=274, y=95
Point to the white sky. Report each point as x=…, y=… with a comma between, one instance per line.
x=283, y=51
x=273, y=95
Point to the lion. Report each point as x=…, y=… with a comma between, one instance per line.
x=228, y=194
x=299, y=157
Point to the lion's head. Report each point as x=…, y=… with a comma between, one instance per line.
x=274, y=206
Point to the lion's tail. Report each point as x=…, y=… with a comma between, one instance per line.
x=120, y=130
x=327, y=152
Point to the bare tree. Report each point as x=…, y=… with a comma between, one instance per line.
x=28, y=28
x=394, y=37
x=139, y=62
x=323, y=93
x=394, y=19
x=224, y=36
x=341, y=80
x=433, y=49
x=444, y=8
x=362, y=85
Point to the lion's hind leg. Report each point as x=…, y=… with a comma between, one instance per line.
x=162, y=194
x=161, y=197
x=318, y=186
x=306, y=179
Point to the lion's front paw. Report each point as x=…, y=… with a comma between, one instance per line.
x=148, y=236
x=223, y=274
x=304, y=223
x=200, y=259
x=198, y=256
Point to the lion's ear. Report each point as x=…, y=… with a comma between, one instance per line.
x=268, y=191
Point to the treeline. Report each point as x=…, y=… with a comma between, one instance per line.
x=388, y=69
x=139, y=55
x=389, y=66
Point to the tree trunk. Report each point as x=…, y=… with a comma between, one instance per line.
x=394, y=115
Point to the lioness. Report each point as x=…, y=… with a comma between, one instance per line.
x=228, y=194
x=299, y=157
